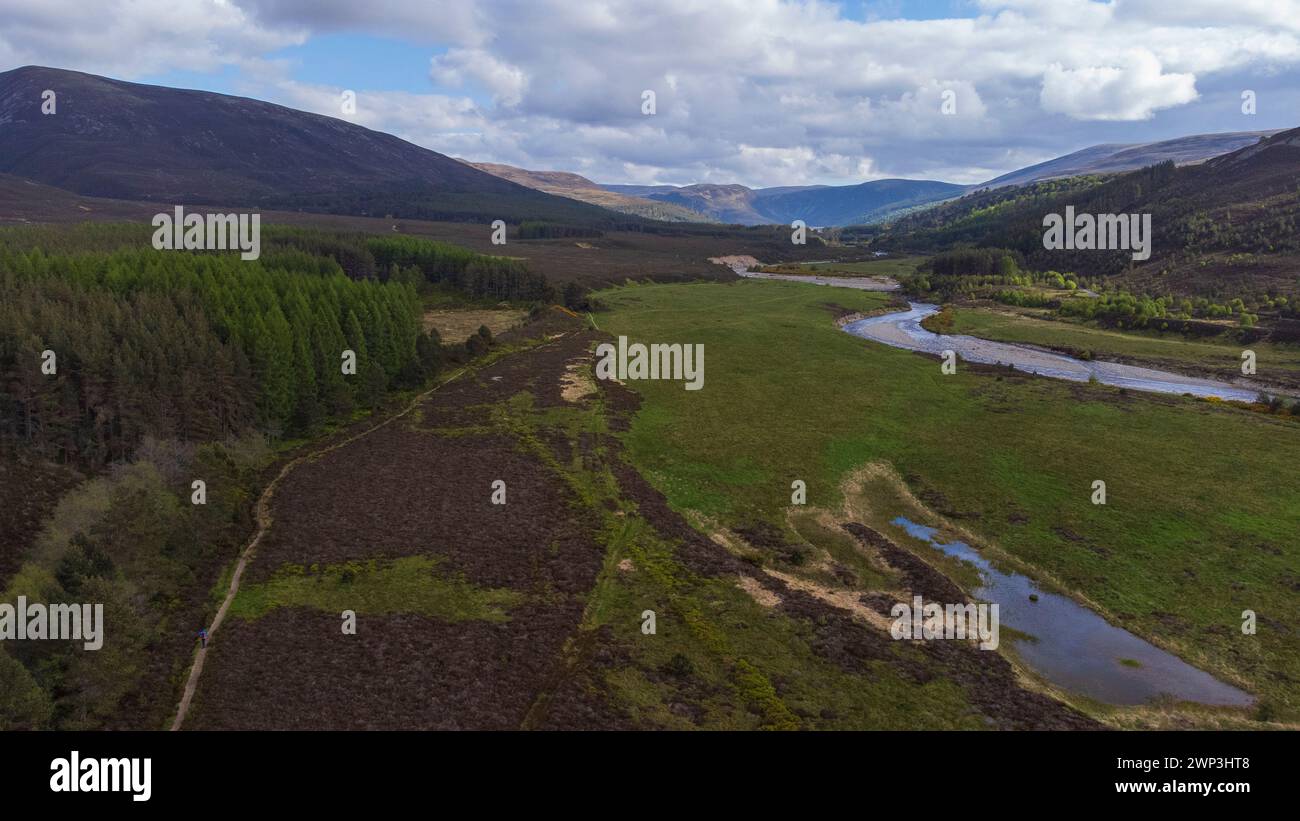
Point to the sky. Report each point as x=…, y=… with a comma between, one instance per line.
x=757, y=92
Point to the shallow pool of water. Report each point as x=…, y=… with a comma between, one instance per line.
x=1077, y=649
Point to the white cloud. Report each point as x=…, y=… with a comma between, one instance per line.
x=468, y=66
x=129, y=38
x=759, y=91
x=1133, y=91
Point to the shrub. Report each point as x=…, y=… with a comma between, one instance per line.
x=679, y=666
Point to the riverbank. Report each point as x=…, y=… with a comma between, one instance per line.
x=1203, y=498
x=1277, y=367
x=905, y=330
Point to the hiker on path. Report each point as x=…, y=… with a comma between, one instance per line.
x=203, y=637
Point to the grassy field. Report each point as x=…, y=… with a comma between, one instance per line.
x=454, y=325
x=724, y=655
x=887, y=267
x=407, y=585
x=1220, y=356
x=542, y=599
x=1203, y=500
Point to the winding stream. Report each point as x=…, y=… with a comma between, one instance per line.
x=903, y=330
x=1069, y=644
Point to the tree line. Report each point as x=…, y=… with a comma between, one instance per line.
x=170, y=366
x=200, y=346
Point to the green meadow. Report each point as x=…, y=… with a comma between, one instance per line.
x=718, y=659
x=410, y=584
x=884, y=267
x=1203, y=499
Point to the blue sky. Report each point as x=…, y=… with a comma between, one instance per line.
x=762, y=92
x=357, y=61
x=908, y=9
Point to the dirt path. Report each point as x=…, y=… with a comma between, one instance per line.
x=263, y=525
x=418, y=489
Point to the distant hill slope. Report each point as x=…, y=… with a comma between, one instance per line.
x=1111, y=158
x=725, y=203
x=854, y=204
x=1226, y=225
x=24, y=201
x=577, y=187
x=882, y=200
x=130, y=141
x=817, y=205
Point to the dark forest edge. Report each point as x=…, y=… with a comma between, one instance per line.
x=173, y=366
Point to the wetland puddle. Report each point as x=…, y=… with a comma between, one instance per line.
x=1075, y=648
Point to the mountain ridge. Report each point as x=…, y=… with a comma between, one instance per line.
x=816, y=205
x=1119, y=157
x=1228, y=224
x=578, y=187
x=115, y=139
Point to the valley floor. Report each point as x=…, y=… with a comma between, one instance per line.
x=533, y=613
x=648, y=570
x=1198, y=526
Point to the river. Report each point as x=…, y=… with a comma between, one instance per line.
x=874, y=283
x=903, y=329
x=1069, y=644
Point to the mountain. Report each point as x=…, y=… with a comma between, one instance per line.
x=1111, y=158
x=725, y=203
x=129, y=141
x=27, y=201
x=126, y=141
x=817, y=205
x=853, y=204
x=577, y=187
x=1226, y=225
x=641, y=190
x=880, y=200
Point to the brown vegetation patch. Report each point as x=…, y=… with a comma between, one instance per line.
x=30, y=489
x=403, y=491
x=757, y=591
x=294, y=669
x=577, y=383
x=399, y=493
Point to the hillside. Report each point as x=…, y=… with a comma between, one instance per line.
x=817, y=205
x=123, y=140
x=854, y=204
x=1223, y=227
x=1110, y=158
x=879, y=200
x=578, y=187
x=23, y=201
x=659, y=251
